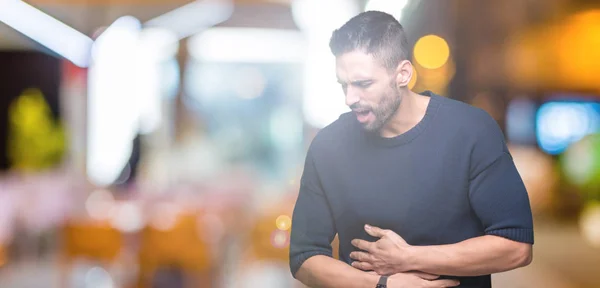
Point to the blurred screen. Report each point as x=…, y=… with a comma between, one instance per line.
x=559, y=123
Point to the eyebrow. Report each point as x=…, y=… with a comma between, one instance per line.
x=356, y=82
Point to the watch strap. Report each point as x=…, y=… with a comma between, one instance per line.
x=382, y=282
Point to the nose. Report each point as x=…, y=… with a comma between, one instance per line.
x=352, y=97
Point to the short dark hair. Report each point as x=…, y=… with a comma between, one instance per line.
x=374, y=32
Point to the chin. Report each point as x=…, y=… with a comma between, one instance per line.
x=371, y=127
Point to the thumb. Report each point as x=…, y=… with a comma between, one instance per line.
x=374, y=231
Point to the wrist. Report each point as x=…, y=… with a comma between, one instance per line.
x=370, y=280
x=412, y=260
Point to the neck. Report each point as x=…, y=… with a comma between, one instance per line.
x=410, y=112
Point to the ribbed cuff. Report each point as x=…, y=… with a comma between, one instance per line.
x=524, y=235
x=298, y=260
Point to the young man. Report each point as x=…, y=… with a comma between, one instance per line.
x=421, y=189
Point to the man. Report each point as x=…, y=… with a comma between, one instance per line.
x=418, y=187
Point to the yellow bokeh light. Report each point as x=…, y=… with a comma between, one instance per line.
x=283, y=222
x=431, y=51
x=589, y=224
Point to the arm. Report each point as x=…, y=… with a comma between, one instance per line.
x=499, y=199
x=323, y=271
x=313, y=230
x=478, y=256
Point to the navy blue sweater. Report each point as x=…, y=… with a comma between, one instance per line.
x=448, y=179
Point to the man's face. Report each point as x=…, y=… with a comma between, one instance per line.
x=370, y=89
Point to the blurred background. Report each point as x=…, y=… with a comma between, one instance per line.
x=155, y=143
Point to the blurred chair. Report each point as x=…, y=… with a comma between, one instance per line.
x=178, y=246
x=97, y=241
x=3, y=258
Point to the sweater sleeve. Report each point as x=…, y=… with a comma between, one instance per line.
x=496, y=190
x=313, y=226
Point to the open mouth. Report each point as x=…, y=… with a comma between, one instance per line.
x=363, y=115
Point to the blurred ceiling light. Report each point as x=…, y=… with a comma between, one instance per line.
x=194, y=17
x=46, y=30
x=431, y=51
x=158, y=44
x=393, y=7
x=247, y=45
x=317, y=17
x=113, y=118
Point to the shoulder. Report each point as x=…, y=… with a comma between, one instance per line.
x=471, y=122
x=479, y=132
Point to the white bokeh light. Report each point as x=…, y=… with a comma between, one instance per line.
x=392, y=7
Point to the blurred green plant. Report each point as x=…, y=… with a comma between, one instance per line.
x=36, y=141
x=581, y=166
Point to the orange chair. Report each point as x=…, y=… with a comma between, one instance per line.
x=3, y=259
x=181, y=246
x=94, y=240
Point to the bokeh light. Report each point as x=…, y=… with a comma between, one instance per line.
x=578, y=51
x=283, y=222
x=280, y=239
x=431, y=51
x=97, y=277
x=128, y=217
x=165, y=216
x=561, y=123
x=589, y=224
x=100, y=205
x=393, y=7
x=581, y=165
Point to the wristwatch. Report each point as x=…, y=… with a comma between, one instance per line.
x=382, y=282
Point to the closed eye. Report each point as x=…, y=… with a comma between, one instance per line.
x=362, y=84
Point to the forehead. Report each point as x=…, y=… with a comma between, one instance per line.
x=358, y=65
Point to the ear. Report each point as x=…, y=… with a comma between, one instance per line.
x=404, y=73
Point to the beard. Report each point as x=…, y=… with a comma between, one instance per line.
x=384, y=110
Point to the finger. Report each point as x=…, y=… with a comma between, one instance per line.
x=363, y=245
x=445, y=283
x=361, y=256
x=362, y=265
x=375, y=231
x=425, y=276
